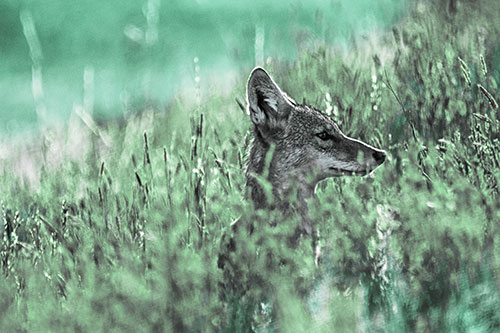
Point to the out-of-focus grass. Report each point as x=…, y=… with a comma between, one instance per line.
x=140, y=51
x=118, y=225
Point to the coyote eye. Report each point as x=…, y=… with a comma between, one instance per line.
x=324, y=136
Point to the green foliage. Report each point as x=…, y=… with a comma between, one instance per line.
x=144, y=50
x=120, y=226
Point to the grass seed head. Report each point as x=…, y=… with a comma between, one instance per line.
x=490, y=97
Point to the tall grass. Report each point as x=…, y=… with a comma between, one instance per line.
x=119, y=226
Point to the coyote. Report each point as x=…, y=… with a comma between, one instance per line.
x=305, y=147
x=294, y=147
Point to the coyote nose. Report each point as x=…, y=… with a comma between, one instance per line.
x=379, y=156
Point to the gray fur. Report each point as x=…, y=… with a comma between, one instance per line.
x=300, y=157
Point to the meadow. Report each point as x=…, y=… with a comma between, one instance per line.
x=117, y=224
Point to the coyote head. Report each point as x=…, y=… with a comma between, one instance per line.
x=308, y=146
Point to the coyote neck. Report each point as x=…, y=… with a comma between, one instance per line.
x=290, y=192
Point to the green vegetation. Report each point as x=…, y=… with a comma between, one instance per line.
x=141, y=50
x=118, y=225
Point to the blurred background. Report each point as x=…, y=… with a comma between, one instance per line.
x=118, y=56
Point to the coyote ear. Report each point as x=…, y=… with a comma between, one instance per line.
x=267, y=104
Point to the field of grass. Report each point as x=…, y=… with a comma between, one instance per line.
x=132, y=51
x=118, y=225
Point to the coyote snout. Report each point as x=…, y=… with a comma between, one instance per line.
x=348, y=156
x=307, y=145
